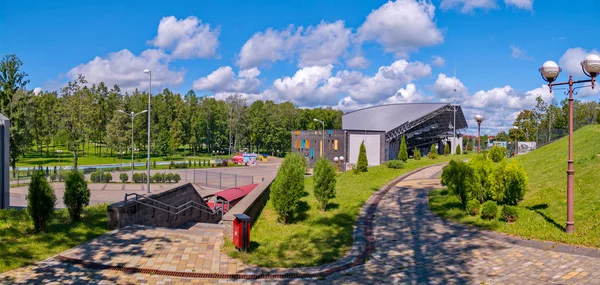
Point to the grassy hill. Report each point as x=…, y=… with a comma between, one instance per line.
x=543, y=212
x=546, y=202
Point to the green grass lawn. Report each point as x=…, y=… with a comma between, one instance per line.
x=20, y=246
x=543, y=212
x=317, y=237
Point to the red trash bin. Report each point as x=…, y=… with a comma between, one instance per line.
x=241, y=231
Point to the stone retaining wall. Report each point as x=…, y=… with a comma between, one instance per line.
x=123, y=214
x=250, y=205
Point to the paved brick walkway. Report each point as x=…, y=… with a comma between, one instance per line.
x=412, y=246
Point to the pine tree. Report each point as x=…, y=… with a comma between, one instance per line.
x=362, y=163
x=447, y=149
x=288, y=187
x=403, y=153
x=433, y=152
x=324, y=179
x=40, y=201
x=458, y=150
x=417, y=153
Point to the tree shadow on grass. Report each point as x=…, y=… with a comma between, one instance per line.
x=537, y=209
x=332, y=206
x=302, y=212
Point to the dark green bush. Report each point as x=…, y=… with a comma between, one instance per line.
x=513, y=181
x=447, y=149
x=124, y=177
x=403, y=153
x=432, y=152
x=458, y=177
x=40, y=200
x=106, y=177
x=176, y=178
x=483, y=179
x=362, y=164
x=157, y=178
x=497, y=153
x=288, y=187
x=473, y=207
x=509, y=213
x=139, y=177
x=489, y=210
x=153, y=164
x=96, y=177
x=77, y=194
x=458, y=149
x=169, y=177
x=395, y=164
x=324, y=182
x=179, y=165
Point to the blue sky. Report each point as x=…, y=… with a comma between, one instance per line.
x=345, y=54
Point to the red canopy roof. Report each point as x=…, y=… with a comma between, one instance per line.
x=236, y=193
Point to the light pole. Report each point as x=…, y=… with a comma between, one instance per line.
x=337, y=165
x=59, y=152
x=342, y=162
x=516, y=130
x=132, y=115
x=323, y=142
x=550, y=71
x=479, y=119
x=147, y=71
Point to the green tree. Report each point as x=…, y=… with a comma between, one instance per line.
x=447, y=149
x=324, y=182
x=40, y=200
x=403, y=153
x=458, y=150
x=432, y=152
x=362, y=164
x=458, y=177
x=470, y=145
x=175, y=136
x=288, y=187
x=77, y=194
x=417, y=153
x=118, y=132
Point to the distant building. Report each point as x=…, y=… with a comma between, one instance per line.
x=381, y=129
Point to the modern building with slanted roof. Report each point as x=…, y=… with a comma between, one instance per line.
x=381, y=129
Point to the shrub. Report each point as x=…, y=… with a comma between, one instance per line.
x=324, y=179
x=53, y=176
x=489, y=210
x=362, y=164
x=95, y=177
x=458, y=177
x=157, y=178
x=230, y=163
x=432, y=152
x=153, y=164
x=513, y=181
x=288, y=187
x=40, y=201
x=77, y=194
x=224, y=163
x=484, y=186
x=417, y=153
x=124, y=177
x=176, y=178
x=169, y=177
x=509, y=214
x=447, y=149
x=179, y=165
x=458, y=149
x=395, y=164
x=190, y=162
x=497, y=153
x=473, y=207
x=403, y=153
x=139, y=177
x=106, y=177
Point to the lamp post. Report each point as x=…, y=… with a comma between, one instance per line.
x=479, y=119
x=516, y=130
x=342, y=162
x=323, y=134
x=149, y=72
x=132, y=115
x=337, y=165
x=550, y=71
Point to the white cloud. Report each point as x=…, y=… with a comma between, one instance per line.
x=358, y=61
x=37, y=90
x=126, y=69
x=224, y=80
x=571, y=60
x=320, y=45
x=402, y=26
x=521, y=4
x=186, y=38
x=305, y=87
x=518, y=53
x=449, y=88
x=467, y=6
x=437, y=61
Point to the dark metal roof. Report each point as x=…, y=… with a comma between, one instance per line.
x=387, y=117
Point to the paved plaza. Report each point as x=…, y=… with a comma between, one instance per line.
x=411, y=246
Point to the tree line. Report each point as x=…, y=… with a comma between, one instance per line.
x=84, y=117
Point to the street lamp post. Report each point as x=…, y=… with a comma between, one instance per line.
x=479, y=119
x=516, y=128
x=147, y=71
x=550, y=71
x=323, y=133
x=132, y=115
x=343, y=164
x=337, y=165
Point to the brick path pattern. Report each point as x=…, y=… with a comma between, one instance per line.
x=411, y=246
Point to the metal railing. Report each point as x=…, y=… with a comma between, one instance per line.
x=220, y=179
x=174, y=210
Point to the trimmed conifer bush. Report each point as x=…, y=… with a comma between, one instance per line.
x=77, y=194
x=362, y=164
x=417, y=154
x=324, y=180
x=458, y=150
x=395, y=164
x=489, y=210
x=473, y=207
x=40, y=201
x=432, y=152
x=497, y=153
x=403, y=153
x=447, y=149
x=509, y=214
x=123, y=177
x=288, y=187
